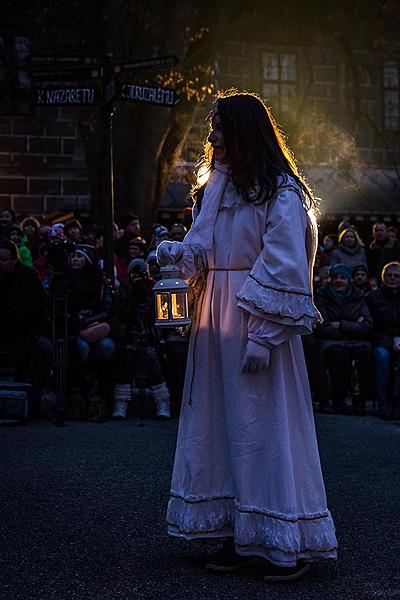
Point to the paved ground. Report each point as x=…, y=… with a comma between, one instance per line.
x=83, y=511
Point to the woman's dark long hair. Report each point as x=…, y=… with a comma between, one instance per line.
x=255, y=149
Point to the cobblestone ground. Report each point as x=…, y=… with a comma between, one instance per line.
x=83, y=511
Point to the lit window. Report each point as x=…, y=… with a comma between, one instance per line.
x=391, y=96
x=279, y=75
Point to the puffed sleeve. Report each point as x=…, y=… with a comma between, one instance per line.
x=194, y=258
x=278, y=289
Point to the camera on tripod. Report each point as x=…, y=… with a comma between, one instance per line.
x=59, y=255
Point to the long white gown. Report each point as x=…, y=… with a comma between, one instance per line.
x=247, y=462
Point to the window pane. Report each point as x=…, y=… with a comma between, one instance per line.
x=288, y=93
x=288, y=67
x=270, y=66
x=162, y=306
x=178, y=305
x=390, y=74
x=391, y=110
x=270, y=92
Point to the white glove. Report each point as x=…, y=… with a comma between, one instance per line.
x=256, y=357
x=169, y=253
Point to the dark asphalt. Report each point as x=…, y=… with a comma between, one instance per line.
x=83, y=511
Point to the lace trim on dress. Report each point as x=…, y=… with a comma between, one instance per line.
x=281, y=304
x=252, y=528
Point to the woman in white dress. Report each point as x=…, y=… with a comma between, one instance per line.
x=247, y=467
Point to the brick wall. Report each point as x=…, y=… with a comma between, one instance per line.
x=42, y=165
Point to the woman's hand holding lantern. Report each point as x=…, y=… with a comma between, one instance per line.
x=169, y=252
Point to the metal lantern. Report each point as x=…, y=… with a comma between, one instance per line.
x=171, y=299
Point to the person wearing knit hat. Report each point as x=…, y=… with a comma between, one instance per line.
x=344, y=337
x=138, y=265
x=340, y=269
x=350, y=249
x=87, y=252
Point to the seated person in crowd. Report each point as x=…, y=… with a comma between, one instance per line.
x=177, y=232
x=344, y=337
x=381, y=251
x=384, y=305
x=139, y=350
x=90, y=302
x=7, y=218
x=350, y=250
x=31, y=228
x=23, y=325
x=131, y=229
x=16, y=235
x=361, y=279
x=329, y=243
x=73, y=230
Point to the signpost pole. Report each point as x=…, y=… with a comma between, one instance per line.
x=107, y=111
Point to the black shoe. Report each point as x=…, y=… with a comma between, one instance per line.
x=274, y=573
x=226, y=560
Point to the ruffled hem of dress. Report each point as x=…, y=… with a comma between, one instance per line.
x=283, y=539
x=282, y=304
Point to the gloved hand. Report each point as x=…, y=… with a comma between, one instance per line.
x=169, y=252
x=256, y=357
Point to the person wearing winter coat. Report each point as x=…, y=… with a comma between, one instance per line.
x=90, y=303
x=23, y=323
x=350, y=250
x=344, y=336
x=139, y=351
x=15, y=234
x=384, y=305
x=381, y=251
x=247, y=468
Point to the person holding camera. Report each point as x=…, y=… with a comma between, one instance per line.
x=23, y=324
x=139, y=350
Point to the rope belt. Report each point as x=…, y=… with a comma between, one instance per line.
x=227, y=269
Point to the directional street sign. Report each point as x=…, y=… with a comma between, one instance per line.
x=49, y=61
x=67, y=96
x=163, y=62
x=70, y=74
x=147, y=94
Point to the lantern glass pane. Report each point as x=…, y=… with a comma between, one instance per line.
x=162, y=306
x=178, y=304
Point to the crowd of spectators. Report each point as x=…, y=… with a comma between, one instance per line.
x=113, y=346
x=353, y=357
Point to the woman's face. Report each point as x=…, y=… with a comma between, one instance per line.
x=78, y=262
x=6, y=218
x=134, y=251
x=216, y=139
x=391, y=277
x=29, y=229
x=340, y=283
x=349, y=239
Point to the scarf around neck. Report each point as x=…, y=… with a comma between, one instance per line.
x=202, y=231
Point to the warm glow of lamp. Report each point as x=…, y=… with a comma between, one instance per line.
x=171, y=299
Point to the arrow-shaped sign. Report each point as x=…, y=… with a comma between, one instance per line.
x=163, y=62
x=147, y=94
x=67, y=96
